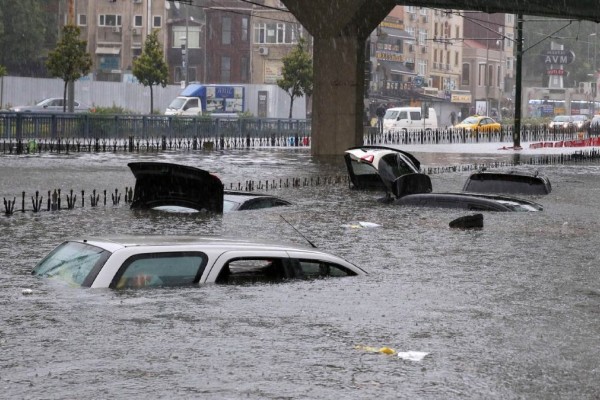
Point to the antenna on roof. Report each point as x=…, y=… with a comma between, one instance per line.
x=298, y=232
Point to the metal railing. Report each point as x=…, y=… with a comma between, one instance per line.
x=26, y=126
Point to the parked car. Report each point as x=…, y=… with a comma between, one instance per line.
x=51, y=105
x=163, y=261
x=479, y=123
x=595, y=123
x=580, y=122
x=181, y=188
x=561, y=122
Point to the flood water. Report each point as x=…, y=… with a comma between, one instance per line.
x=511, y=311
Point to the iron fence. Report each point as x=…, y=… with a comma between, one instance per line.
x=42, y=126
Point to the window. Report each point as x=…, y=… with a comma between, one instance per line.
x=244, y=69
x=225, y=69
x=109, y=20
x=156, y=21
x=422, y=67
x=160, y=269
x=422, y=37
x=412, y=9
x=73, y=262
x=456, y=58
x=499, y=76
x=252, y=270
x=466, y=74
x=180, y=74
x=137, y=21
x=244, y=29
x=509, y=40
x=313, y=269
x=481, y=76
x=490, y=75
x=82, y=19
x=226, y=30
x=193, y=33
x=276, y=33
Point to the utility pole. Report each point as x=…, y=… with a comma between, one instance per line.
x=518, y=84
x=71, y=84
x=187, y=45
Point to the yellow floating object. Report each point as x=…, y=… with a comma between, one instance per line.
x=387, y=350
x=382, y=350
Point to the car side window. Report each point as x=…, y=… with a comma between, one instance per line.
x=160, y=269
x=314, y=269
x=242, y=271
x=403, y=115
x=415, y=115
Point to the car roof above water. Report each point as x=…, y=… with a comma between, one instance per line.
x=113, y=243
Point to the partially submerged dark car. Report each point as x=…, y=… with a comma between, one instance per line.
x=398, y=175
x=508, y=183
x=175, y=187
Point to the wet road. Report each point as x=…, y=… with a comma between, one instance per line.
x=511, y=311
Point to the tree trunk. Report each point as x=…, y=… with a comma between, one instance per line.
x=65, y=97
x=291, y=106
x=151, y=100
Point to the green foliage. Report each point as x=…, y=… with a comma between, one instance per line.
x=69, y=60
x=297, y=73
x=114, y=109
x=3, y=71
x=245, y=114
x=150, y=67
x=23, y=26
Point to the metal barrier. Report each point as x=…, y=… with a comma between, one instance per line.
x=24, y=126
x=529, y=133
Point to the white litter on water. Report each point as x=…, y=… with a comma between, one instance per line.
x=26, y=292
x=412, y=355
x=361, y=224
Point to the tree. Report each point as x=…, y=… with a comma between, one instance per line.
x=24, y=28
x=150, y=67
x=297, y=79
x=69, y=60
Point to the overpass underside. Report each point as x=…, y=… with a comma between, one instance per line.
x=340, y=29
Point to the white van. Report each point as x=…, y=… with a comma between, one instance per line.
x=399, y=119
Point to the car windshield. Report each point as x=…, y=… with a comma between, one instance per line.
x=561, y=119
x=515, y=206
x=177, y=103
x=229, y=205
x=391, y=114
x=71, y=262
x=44, y=102
x=579, y=118
x=469, y=120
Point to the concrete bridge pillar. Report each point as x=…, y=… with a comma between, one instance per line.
x=340, y=29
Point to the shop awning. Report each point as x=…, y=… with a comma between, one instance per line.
x=394, y=67
x=108, y=50
x=396, y=33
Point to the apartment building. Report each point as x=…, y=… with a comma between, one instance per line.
x=488, y=61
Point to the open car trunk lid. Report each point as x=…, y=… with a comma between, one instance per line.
x=165, y=184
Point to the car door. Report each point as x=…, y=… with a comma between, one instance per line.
x=248, y=266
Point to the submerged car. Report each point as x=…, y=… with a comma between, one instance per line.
x=398, y=176
x=163, y=261
x=367, y=164
x=51, y=105
x=181, y=188
x=508, y=183
x=479, y=123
